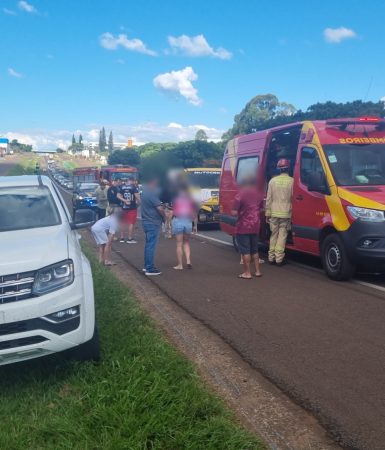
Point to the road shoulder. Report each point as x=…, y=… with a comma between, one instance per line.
x=257, y=403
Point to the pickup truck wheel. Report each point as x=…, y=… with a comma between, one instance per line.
x=88, y=351
x=335, y=259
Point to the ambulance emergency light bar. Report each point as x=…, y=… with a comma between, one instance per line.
x=377, y=122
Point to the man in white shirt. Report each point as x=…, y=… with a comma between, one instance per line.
x=103, y=232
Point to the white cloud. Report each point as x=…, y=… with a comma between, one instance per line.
x=196, y=46
x=27, y=7
x=337, y=35
x=10, y=12
x=174, y=125
x=382, y=99
x=14, y=73
x=179, y=83
x=110, y=42
x=42, y=139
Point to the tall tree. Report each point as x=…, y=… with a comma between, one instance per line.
x=110, y=143
x=201, y=135
x=73, y=140
x=259, y=110
x=128, y=156
x=80, y=139
x=102, y=140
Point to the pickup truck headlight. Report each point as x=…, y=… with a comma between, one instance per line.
x=52, y=278
x=368, y=215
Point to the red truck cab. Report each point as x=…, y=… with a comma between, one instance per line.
x=338, y=204
x=118, y=171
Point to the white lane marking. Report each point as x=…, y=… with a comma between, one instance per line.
x=373, y=286
x=363, y=283
x=213, y=239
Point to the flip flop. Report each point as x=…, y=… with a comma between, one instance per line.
x=244, y=278
x=258, y=276
x=110, y=263
x=189, y=266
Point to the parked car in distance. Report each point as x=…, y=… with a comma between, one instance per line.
x=46, y=287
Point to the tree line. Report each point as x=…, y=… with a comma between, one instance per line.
x=261, y=112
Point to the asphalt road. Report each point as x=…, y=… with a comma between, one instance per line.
x=321, y=342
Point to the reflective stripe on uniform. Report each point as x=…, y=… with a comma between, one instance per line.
x=280, y=215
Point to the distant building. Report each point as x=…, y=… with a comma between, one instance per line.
x=117, y=145
x=4, y=146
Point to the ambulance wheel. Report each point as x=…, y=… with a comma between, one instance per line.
x=335, y=259
x=235, y=244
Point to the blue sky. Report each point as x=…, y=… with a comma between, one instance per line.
x=156, y=70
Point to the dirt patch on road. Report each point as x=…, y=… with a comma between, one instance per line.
x=258, y=404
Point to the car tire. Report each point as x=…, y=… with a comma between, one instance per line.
x=88, y=351
x=335, y=259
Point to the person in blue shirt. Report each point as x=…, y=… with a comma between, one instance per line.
x=153, y=216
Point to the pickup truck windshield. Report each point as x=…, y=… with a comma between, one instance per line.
x=124, y=175
x=204, y=179
x=27, y=207
x=357, y=164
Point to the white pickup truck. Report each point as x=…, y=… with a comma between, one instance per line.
x=46, y=288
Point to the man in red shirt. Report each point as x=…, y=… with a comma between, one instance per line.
x=247, y=207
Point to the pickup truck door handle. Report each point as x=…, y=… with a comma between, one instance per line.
x=299, y=197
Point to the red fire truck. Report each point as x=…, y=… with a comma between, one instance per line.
x=109, y=173
x=118, y=171
x=338, y=167
x=85, y=175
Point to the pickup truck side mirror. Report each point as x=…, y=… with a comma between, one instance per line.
x=317, y=183
x=83, y=218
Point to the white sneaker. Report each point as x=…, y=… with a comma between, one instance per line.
x=131, y=241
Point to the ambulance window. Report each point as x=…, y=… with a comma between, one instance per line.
x=247, y=168
x=310, y=165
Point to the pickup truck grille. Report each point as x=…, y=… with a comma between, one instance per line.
x=16, y=287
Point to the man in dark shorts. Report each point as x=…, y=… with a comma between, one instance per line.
x=130, y=199
x=247, y=207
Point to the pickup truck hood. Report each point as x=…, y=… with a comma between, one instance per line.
x=27, y=250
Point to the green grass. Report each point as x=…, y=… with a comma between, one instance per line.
x=143, y=395
x=25, y=167
x=69, y=165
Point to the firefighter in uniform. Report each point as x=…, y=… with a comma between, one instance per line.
x=278, y=211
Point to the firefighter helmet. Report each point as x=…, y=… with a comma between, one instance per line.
x=283, y=163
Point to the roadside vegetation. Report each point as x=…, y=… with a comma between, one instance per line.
x=142, y=395
x=25, y=166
